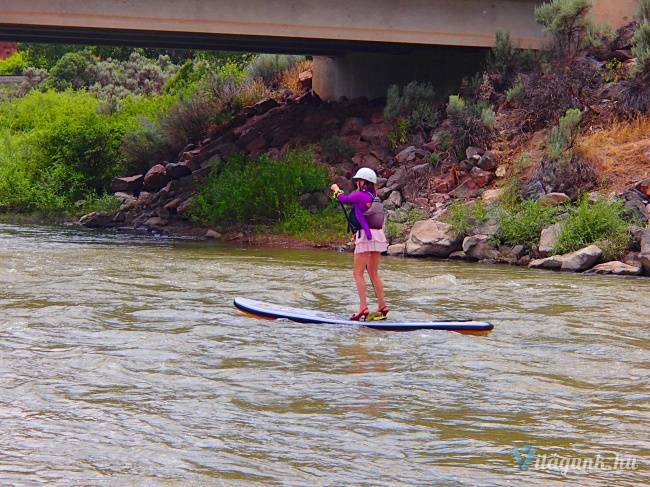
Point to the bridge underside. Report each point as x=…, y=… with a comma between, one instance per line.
x=360, y=46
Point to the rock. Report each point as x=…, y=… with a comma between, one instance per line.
x=635, y=204
x=184, y=206
x=533, y=190
x=397, y=180
x=481, y=178
x=405, y=154
x=173, y=204
x=488, y=161
x=393, y=201
x=156, y=178
x=489, y=227
x=352, y=126
x=512, y=255
x=305, y=79
x=432, y=238
x=396, y=250
x=644, y=187
x=466, y=189
x=375, y=134
x=479, y=247
x=644, y=241
x=474, y=153
x=129, y=184
x=582, y=259
x=501, y=171
x=633, y=259
x=420, y=169
x=177, y=170
x=554, y=199
x=96, y=220
x=645, y=263
x=212, y=234
x=264, y=106
x=155, y=222
x=458, y=255
x=549, y=237
x=490, y=196
x=615, y=267
x=554, y=262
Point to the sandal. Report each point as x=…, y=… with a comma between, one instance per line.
x=361, y=314
x=383, y=310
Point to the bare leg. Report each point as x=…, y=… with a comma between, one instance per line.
x=360, y=264
x=373, y=272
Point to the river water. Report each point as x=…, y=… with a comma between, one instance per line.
x=123, y=362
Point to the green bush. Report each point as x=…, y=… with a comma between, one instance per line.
x=415, y=102
x=641, y=50
x=71, y=71
x=643, y=12
x=601, y=223
x=398, y=135
x=522, y=224
x=562, y=136
x=334, y=149
x=515, y=93
x=567, y=21
x=14, y=64
x=58, y=148
x=264, y=190
x=325, y=226
x=463, y=216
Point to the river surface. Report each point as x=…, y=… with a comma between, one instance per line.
x=123, y=362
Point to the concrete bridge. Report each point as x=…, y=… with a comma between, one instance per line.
x=360, y=45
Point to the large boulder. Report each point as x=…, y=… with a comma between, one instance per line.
x=96, y=220
x=615, y=267
x=480, y=247
x=405, y=155
x=394, y=200
x=582, y=259
x=156, y=178
x=549, y=237
x=128, y=184
x=432, y=238
x=553, y=262
x=396, y=250
x=177, y=170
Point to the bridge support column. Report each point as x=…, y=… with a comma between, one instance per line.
x=370, y=74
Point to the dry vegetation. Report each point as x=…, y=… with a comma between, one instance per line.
x=620, y=152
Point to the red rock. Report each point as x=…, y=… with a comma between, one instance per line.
x=644, y=187
x=183, y=208
x=173, y=204
x=305, y=79
x=129, y=184
x=481, y=178
x=352, y=126
x=375, y=134
x=156, y=178
x=177, y=170
x=467, y=189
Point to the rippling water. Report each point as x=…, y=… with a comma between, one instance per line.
x=122, y=361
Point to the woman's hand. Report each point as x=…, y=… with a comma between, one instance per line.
x=335, y=187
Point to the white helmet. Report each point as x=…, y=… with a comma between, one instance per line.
x=366, y=174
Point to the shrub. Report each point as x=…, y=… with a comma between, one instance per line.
x=510, y=197
x=562, y=136
x=335, y=149
x=269, y=67
x=567, y=21
x=515, y=93
x=325, y=226
x=398, y=135
x=473, y=124
x=522, y=224
x=106, y=203
x=434, y=159
x=14, y=64
x=600, y=222
x=463, y=216
x=264, y=190
x=415, y=102
x=290, y=78
x=60, y=149
x=643, y=12
x=70, y=71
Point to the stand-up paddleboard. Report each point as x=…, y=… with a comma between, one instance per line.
x=259, y=309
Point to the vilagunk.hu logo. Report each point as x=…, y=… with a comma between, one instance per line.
x=527, y=458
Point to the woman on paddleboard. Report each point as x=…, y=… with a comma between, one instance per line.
x=367, y=219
